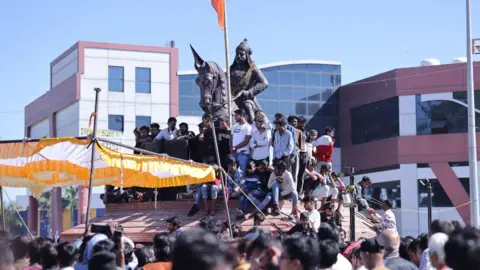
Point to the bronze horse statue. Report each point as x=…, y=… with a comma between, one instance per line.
x=213, y=86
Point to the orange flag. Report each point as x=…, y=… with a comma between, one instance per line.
x=219, y=7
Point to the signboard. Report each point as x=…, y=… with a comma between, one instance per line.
x=112, y=135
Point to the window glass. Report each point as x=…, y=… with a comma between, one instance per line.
x=328, y=79
x=439, y=197
x=187, y=88
x=115, y=79
x=115, y=122
x=375, y=121
x=271, y=107
x=143, y=121
x=299, y=94
x=286, y=78
x=299, y=78
x=379, y=192
x=272, y=76
x=326, y=94
x=300, y=108
x=440, y=117
x=286, y=108
x=143, y=80
x=314, y=79
x=312, y=108
x=285, y=93
x=189, y=106
x=314, y=94
x=270, y=93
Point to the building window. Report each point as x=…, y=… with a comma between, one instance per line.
x=115, y=122
x=439, y=197
x=141, y=121
x=378, y=192
x=143, y=80
x=115, y=79
x=375, y=121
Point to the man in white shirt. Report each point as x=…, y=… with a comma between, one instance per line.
x=313, y=214
x=240, y=139
x=260, y=141
x=282, y=185
x=170, y=132
x=387, y=220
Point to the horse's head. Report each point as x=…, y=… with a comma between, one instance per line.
x=206, y=80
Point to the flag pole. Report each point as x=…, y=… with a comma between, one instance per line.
x=472, y=144
x=227, y=61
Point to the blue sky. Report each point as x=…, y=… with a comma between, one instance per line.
x=368, y=37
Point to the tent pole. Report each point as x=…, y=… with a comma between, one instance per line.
x=224, y=183
x=92, y=160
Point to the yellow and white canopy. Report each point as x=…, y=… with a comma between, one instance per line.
x=61, y=162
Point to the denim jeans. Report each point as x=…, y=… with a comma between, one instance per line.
x=242, y=160
x=276, y=195
x=244, y=203
x=257, y=195
x=198, y=196
x=213, y=190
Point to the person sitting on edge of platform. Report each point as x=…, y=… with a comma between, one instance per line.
x=311, y=178
x=170, y=132
x=359, y=194
x=326, y=188
x=198, y=190
x=248, y=185
x=142, y=138
x=154, y=130
x=236, y=174
x=313, y=214
x=281, y=183
x=263, y=194
x=212, y=190
x=173, y=226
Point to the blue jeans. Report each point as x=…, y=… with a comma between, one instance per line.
x=198, y=196
x=244, y=202
x=257, y=195
x=214, y=191
x=276, y=195
x=242, y=160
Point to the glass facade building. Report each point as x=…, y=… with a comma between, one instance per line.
x=306, y=88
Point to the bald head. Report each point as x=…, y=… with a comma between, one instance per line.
x=390, y=240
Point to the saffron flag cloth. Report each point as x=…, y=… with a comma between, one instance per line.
x=63, y=162
x=219, y=7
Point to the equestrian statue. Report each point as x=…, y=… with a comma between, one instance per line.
x=246, y=81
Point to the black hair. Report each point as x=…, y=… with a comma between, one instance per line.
x=281, y=121
x=240, y=112
x=144, y=255
x=104, y=245
x=20, y=247
x=291, y=118
x=389, y=203
x=366, y=179
x=172, y=119
x=329, y=250
x=413, y=245
x=329, y=232
x=463, y=248
x=441, y=226
x=423, y=241
x=183, y=124
x=162, y=245
x=66, y=254
x=262, y=242
x=231, y=161
x=281, y=165
x=403, y=250
x=201, y=250
x=206, y=116
x=304, y=249
x=103, y=260
x=48, y=255
x=329, y=129
x=145, y=128
x=456, y=224
x=155, y=125
x=279, y=115
x=82, y=248
x=308, y=199
x=302, y=119
x=207, y=223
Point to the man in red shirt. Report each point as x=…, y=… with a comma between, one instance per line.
x=324, y=146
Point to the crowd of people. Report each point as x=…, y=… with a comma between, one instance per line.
x=447, y=246
x=264, y=163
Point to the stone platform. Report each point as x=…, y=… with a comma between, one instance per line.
x=141, y=221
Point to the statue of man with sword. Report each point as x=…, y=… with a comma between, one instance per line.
x=247, y=81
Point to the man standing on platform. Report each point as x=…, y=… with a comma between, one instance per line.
x=240, y=139
x=283, y=144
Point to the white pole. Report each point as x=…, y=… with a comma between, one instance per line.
x=227, y=60
x=472, y=144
